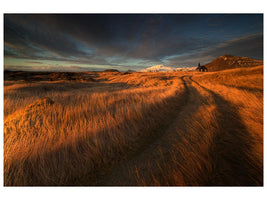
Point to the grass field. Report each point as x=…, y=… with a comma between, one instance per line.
x=134, y=129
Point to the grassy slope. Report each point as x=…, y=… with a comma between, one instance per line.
x=137, y=129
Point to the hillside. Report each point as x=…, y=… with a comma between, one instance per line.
x=231, y=62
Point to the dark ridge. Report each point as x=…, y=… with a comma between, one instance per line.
x=111, y=70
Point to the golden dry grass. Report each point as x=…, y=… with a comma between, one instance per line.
x=173, y=128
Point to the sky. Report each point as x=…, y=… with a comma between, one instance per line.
x=95, y=42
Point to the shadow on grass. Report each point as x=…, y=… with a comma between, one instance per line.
x=234, y=162
x=86, y=161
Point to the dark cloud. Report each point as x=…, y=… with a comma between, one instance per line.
x=32, y=39
x=137, y=39
x=249, y=46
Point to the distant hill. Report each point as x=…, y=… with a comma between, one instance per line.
x=220, y=63
x=162, y=68
x=185, y=69
x=158, y=68
x=130, y=70
x=230, y=62
x=111, y=70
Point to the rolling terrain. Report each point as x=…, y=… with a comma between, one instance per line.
x=134, y=128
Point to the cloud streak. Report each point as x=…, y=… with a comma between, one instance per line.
x=238, y=47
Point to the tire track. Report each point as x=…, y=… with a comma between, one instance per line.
x=146, y=158
x=233, y=162
x=116, y=173
x=231, y=158
x=229, y=155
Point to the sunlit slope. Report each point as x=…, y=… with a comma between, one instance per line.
x=246, y=78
